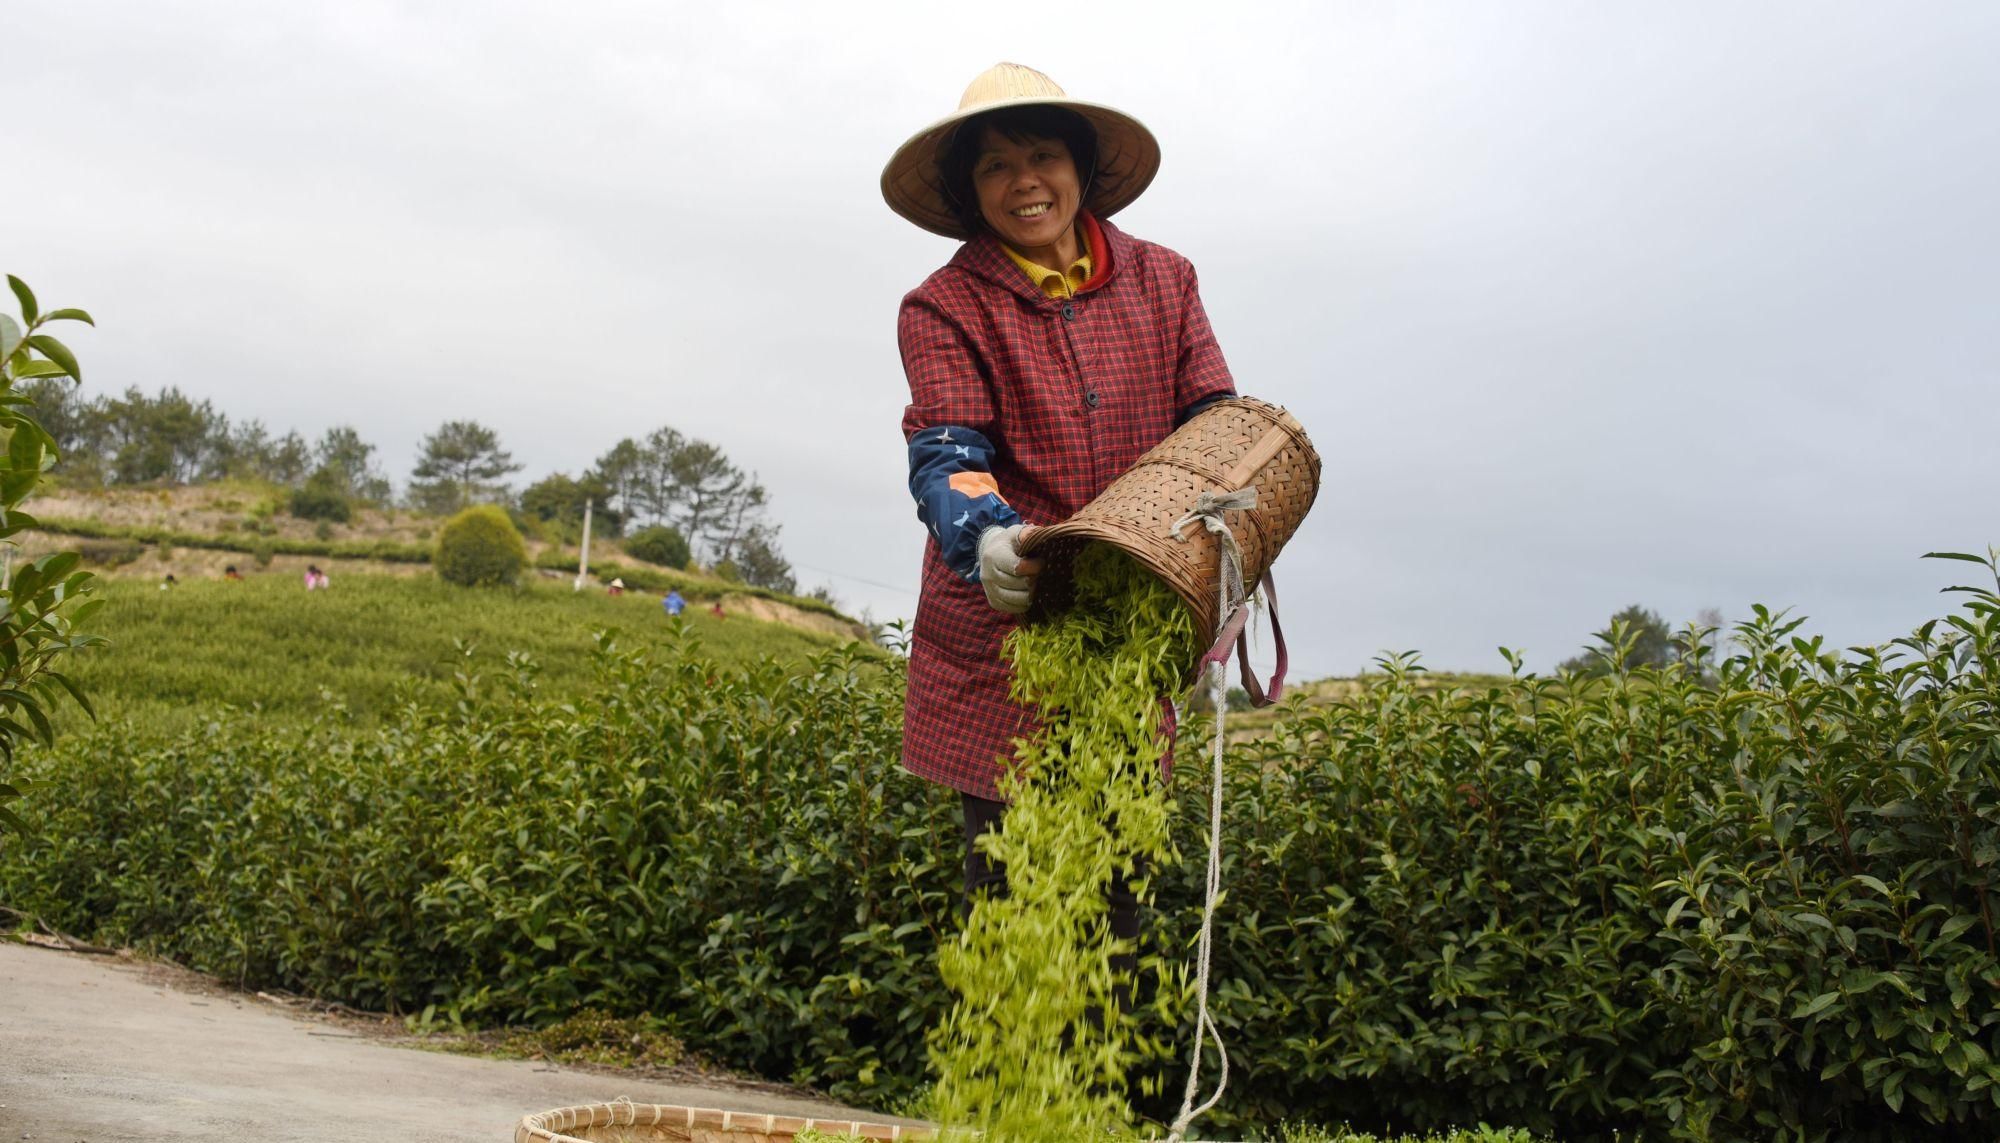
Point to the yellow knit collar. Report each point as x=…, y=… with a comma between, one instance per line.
x=1054, y=284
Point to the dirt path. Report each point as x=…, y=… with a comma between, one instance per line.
x=99, y=1049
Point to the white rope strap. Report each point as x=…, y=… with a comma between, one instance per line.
x=1208, y=510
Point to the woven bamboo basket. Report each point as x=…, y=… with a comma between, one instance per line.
x=625, y=1122
x=1233, y=444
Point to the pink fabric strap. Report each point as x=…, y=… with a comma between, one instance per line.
x=1236, y=632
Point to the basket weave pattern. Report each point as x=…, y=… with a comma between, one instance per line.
x=1229, y=445
x=624, y=1122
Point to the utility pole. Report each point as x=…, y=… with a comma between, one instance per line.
x=583, y=556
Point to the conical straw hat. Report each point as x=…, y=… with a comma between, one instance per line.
x=1127, y=154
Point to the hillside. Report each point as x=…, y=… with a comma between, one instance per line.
x=268, y=643
x=193, y=532
x=386, y=622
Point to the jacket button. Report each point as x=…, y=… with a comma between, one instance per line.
x=1069, y=311
x=1091, y=398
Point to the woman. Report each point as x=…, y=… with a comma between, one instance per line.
x=1049, y=354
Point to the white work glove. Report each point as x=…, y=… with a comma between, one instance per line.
x=1007, y=576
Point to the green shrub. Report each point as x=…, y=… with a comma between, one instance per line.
x=454, y=854
x=42, y=600
x=263, y=553
x=323, y=530
x=657, y=544
x=1754, y=907
x=531, y=528
x=253, y=645
x=480, y=546
x=110, y=553
x=387, y=550
x=318, y=499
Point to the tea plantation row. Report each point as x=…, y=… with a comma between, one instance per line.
x=1747, y=900
x=178, y=656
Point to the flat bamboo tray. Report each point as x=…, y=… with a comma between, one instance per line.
x=626, y=1122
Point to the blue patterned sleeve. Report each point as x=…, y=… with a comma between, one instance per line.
x=951, y=478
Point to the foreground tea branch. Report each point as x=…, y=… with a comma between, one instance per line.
x=42, y=602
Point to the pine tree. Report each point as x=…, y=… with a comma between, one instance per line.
x=460, y=464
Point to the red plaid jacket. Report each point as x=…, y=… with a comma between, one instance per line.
x=1070, y=392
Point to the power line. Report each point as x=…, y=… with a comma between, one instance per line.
x=857, y=579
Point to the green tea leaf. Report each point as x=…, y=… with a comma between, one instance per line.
x=57, y=352
x=29, y=311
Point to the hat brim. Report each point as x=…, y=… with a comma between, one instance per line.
x=1127, y=159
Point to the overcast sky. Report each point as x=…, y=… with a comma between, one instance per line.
x=1583, y=305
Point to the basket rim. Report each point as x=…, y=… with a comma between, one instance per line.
x=541, y=1126
x=1059, y=543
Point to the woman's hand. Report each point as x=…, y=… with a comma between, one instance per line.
x=1007, y=575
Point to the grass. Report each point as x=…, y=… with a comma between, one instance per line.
x=267, y=643
x=241, y=517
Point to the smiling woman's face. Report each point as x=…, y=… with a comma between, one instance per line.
x=1028, y=192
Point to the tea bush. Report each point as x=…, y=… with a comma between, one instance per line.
x=388, y=551
x=42, y=601
x=731, y=849
x=268, y=646
x=1758, y=908
x=658, y=544
x=319, y=499
x=1736, y=900
x=691, y=585
x=110, y=553
x=480, y=547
